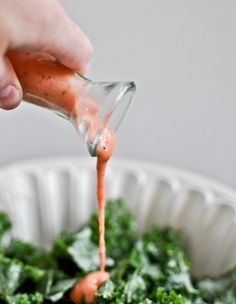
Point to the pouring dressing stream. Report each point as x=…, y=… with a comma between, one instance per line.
x=95, y=110
x=85, y=290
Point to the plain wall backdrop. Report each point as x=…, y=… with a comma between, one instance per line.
x=181, y=54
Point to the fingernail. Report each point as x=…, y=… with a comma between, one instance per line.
x=10, y=97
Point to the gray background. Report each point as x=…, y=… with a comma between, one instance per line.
x=181, y=55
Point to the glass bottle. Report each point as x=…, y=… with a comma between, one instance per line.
x=90, y=106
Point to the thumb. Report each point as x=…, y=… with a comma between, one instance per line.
x=10, y=88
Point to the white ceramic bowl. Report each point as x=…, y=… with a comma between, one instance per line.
x=44, y=197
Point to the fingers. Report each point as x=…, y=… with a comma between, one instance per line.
x=10, y=88
x=50, y=31
x=71, y=47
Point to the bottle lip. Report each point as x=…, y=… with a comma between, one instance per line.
x=116, y=114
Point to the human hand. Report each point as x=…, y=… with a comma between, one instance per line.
x=38, y=26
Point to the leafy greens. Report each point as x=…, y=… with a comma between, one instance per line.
x=147, y=269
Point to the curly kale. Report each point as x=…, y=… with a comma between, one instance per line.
x=147, y=269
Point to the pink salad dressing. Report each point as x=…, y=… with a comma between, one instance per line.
x=104, y=151
x=47, y=83
x=86, y=288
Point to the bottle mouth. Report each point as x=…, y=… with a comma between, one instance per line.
x=113, y=109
